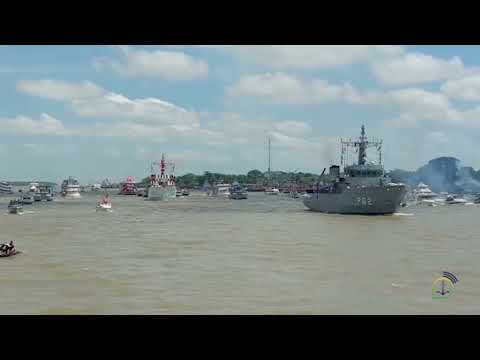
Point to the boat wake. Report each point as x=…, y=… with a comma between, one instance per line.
x=403, y=214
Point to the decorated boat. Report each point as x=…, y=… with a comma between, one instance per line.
x=128, y=187
x=162, y=186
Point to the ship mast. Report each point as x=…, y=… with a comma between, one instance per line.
x=362, y=144
x=362, y=148
x=269, y=156
x=162, y=166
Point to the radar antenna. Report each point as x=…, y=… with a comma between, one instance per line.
x=361, y=145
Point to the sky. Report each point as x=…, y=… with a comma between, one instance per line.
x=96, y=112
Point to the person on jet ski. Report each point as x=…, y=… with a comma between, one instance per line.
x=7, y=248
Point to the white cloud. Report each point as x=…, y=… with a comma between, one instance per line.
x=278, y=87
x=416, y=68
x=90, y=100
x=116, y=106
x=282, y=88
x=308, y=56
x=169, y=65
x=297, y=128
x=59, y=90
x=467, y=88
x=412, y=104
x=46, y=125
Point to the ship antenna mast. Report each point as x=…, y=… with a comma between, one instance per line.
x=269, y=145
x=362, y=148
x=362, y=144
x=162, y=166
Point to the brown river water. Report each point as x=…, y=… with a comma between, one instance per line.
x=264, y=255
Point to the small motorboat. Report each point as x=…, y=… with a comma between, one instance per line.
x=272, y=191
x=104, y=207
x=238, y=194
x=15, y=207
x=27, y=199
x=453, y=200
x=427, y=202
x=104, y=204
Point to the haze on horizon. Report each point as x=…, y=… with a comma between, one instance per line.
x=107, y=111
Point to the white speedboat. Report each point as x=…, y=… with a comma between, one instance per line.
x=221, y=190
x=454, y=200
x=34, y=187
x=272, y=191
x=71, y=188
x=34, y=190
x=45, y=193
x=237, y=192
x=27, y=199
x=162, y=186
x=104, y=207
x=427, y=202
x=105, y=204
x=423, y=192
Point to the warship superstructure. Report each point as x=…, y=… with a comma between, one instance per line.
x=162, y=186
x=362, y=188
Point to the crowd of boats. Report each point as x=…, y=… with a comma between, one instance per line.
x=423, y=195
x=362, y=187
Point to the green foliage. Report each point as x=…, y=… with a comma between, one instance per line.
x=253, y=177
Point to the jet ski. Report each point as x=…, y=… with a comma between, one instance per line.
x=7, y=251
x=11, y=253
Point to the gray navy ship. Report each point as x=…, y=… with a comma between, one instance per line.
x=363, y=188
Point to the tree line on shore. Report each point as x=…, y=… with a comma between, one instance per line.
x=253, y=177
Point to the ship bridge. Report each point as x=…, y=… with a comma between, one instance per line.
x=367, y=170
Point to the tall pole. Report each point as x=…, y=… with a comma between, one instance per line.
x=269, y=156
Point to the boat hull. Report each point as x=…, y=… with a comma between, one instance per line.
x=238, y=196
x=12, y=253
x=27, y=201
x=363, y=201
x=72, y=196
x=104, y=207
x=15, y=209
x=161, y=193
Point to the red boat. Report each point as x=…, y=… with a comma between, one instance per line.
x=128, y=187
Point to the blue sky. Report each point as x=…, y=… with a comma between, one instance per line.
x=107, y=111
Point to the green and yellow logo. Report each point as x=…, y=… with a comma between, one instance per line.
x=443, y=286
